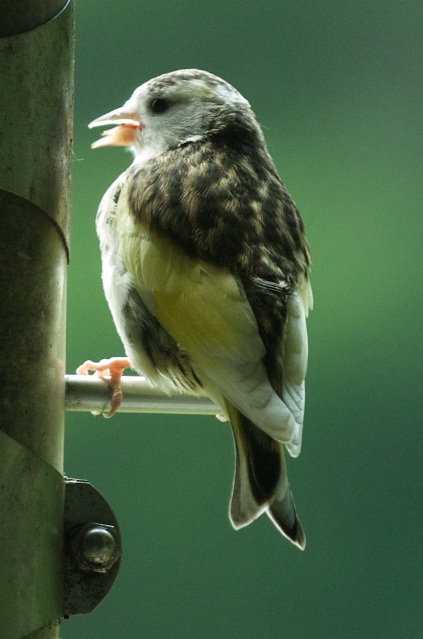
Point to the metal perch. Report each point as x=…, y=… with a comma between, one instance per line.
x=88, y=393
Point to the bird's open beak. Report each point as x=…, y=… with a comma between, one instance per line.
x=121, y=135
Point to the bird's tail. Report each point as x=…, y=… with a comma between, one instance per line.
x=261, y=481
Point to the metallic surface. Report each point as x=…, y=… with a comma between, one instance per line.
x=86, y=510
x=36, y=101
x=96, y=547
x=84, y=393
x=31, y=504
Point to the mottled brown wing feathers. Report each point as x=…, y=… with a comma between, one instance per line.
x=224, y=208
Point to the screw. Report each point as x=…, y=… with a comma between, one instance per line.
x=96, y=547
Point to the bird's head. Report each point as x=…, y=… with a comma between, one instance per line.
x=169, y=111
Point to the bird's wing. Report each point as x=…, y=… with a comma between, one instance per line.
x=206, y=311
x=296, y=351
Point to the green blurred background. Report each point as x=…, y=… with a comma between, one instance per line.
x=337, y=87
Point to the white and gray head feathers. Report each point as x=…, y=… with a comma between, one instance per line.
x=171, y=110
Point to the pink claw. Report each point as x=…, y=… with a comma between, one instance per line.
x=110, y=370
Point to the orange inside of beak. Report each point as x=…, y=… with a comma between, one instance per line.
x=121, y=135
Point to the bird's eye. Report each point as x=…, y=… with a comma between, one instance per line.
x=159, y=105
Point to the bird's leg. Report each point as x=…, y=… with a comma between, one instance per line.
x=111, y=371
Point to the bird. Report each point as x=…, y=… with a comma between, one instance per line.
x=206, y=270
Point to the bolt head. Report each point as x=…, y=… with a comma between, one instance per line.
x=96, y=547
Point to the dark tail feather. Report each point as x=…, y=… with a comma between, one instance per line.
x=290, y=528
x=261, y=482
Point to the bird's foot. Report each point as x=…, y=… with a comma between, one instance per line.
x=111, y=371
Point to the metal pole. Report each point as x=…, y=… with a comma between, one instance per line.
x=36, y=102
x=139, y=396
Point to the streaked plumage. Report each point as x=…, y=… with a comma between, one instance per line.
x=205, y=269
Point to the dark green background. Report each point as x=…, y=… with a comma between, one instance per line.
x=337, y=87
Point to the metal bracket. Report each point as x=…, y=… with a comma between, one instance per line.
x=92, y=547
